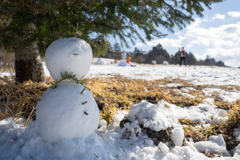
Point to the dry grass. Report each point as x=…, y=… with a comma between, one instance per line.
x=13, y=103
x=119, y=93
x=111, y=94
x=226, y=105
x=225, y=128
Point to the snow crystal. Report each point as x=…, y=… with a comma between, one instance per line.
x=64, y=112
x=68, y=54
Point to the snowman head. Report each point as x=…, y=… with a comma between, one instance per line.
x=68, y=54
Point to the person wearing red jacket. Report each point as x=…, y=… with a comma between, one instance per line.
x=183, y=54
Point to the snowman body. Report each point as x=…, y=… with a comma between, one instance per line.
x=69, y=110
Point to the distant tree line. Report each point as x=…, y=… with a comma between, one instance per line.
x=159, y=54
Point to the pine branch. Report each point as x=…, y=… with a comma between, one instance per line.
x=69, y=76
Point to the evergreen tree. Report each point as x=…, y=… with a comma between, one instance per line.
x=117, y=54
x=138, y=55
x=220, y=63
x=190, y=58
x=158, y=53
x=31, y=25
x=210, y=61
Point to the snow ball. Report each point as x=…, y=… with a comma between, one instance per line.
x=146, y=123
x=142, y=156
x=148, y=141
x=68, y=54
x=171, y=156
x=100, y=61
x=163, y=148
x=154, y=62
x=119, y=116
x=102, y=122
x=165, y=63
x=177, y=135
x=123, y=63
x=102, y=126
x=113, y=125
x=64, y=112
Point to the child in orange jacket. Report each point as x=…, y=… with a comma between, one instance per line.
x=128, y=60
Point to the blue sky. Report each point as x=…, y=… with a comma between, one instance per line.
x=216, y=34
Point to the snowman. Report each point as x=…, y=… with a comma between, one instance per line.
x=123, y=62
x=67, y=110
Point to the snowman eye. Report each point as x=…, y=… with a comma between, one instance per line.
x=75, y=54
x=85, y=113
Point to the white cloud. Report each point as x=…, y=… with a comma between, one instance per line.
x=234, y=14
x=221, y=43
x=219, y=16
x=223, y=54
x=222, y=36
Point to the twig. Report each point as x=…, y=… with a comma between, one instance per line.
x=82, y=90
x=173, y=145
x=29, y=117
x=84, y=102
x=76, y=30
x=13, y=85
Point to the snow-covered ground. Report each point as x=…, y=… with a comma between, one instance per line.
x=130, y=143
x=199, y=75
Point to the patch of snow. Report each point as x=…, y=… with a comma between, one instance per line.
x=100, y=61
x=173, y=85
x=148, y=115
x=198, y=75
x=6, y=74
x=223, y=95
x=184, y=90
x=177, y=135
x=216, y=144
